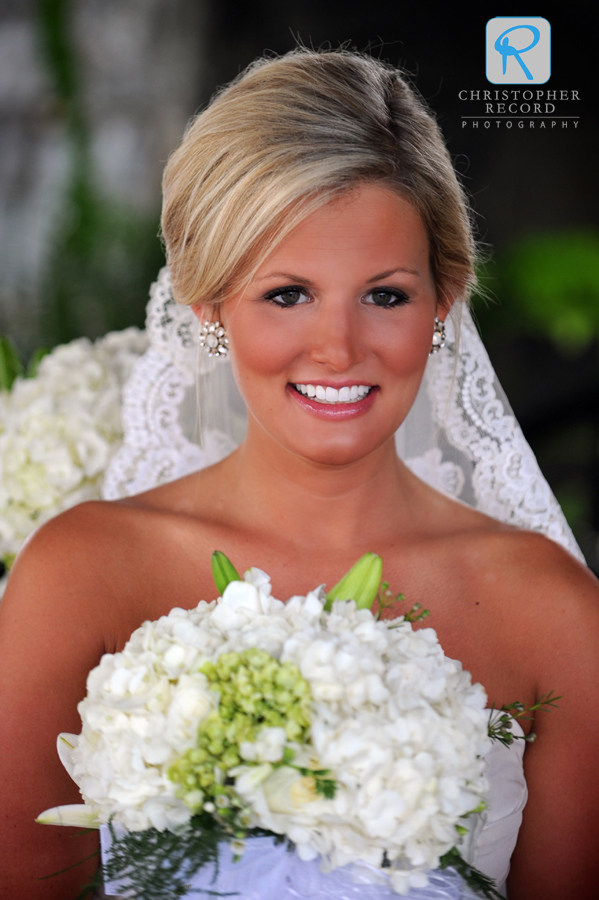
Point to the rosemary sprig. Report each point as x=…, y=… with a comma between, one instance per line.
x=386, y=598
x=501, y=720
x=478, y=881
x=160, y=865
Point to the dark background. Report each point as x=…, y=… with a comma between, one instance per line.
x=534, y=192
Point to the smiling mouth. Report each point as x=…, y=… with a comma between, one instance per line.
x=333, y=396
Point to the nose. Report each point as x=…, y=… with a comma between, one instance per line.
x=336, y=340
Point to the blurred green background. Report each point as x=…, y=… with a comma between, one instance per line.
x=94, y=95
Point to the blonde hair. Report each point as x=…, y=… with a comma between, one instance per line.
x=286, y=137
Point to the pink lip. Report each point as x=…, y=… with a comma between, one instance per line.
x=336, y=412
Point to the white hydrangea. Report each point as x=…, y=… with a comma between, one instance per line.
x=59, y=430
x=398, y=724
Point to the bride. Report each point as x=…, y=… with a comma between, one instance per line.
x=312, y=210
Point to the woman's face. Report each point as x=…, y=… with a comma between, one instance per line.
x=330, y=340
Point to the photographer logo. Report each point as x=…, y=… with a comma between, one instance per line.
x=518, y=50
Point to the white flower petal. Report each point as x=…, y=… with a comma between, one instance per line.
x=65, y=744
x=78, y=815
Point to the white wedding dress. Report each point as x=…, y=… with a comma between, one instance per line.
x=461, y=437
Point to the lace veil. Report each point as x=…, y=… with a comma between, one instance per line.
x=461, y=436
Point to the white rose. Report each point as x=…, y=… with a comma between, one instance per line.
x=287, y=791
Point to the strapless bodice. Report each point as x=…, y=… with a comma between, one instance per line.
x=495, y=834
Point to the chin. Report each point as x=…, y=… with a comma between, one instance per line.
x=338, y=453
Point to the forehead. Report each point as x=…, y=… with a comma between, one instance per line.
x=371, y=224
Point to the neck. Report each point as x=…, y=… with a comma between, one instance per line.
x=320, y=505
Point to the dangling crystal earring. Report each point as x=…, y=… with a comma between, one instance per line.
x=438, y=336
x=214, y=337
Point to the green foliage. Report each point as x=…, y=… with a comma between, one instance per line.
x=546, y=285
x=11, y=366
x=500, y=721
x=53, y=17
x=103, y=255
x=479, y=882
x=103, y=259
x=159, y=865
x=326, y=787
x=35, y=360
x=387, y=598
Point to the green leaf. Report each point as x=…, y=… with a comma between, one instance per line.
x=36, y=358
x=361, y=583
x=480, y=883
x=223, y=571
x=10, y=364
x=327, y=787
x=8, y=560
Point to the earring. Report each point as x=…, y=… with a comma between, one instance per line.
x=214, y=337
x=438, y=336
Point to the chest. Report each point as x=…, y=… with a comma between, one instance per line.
x=460, y=598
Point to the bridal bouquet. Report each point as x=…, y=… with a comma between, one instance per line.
x=59, y=429
x=354, y=739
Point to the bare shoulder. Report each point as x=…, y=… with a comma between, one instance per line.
x=528, y=575
x=74, y=553
x=527, y=568
x=61, y=602
x=545, y=605
x=85, y=570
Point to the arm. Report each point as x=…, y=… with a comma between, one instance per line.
x=51, y=634
x=556, y=856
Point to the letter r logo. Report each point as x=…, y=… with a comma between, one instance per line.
x=518, y=50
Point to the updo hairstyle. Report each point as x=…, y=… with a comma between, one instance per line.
x=286, y=137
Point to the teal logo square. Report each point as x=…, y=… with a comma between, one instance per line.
x=518, y=50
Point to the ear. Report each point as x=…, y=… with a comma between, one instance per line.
x=445, y=301
x=199, y=311
x=206, y=312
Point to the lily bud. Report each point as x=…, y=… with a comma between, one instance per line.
x=223, y=571
x=76, y=815
x=361, y=583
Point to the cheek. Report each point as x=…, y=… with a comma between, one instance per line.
x=404, y=351
x=261, y=349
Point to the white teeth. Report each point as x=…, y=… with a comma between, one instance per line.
x=333, y=395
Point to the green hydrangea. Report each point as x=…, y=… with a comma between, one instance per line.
x=256, y=691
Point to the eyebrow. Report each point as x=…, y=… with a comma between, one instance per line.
x=288, y=277
x=386, y=274
x=299, y=279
